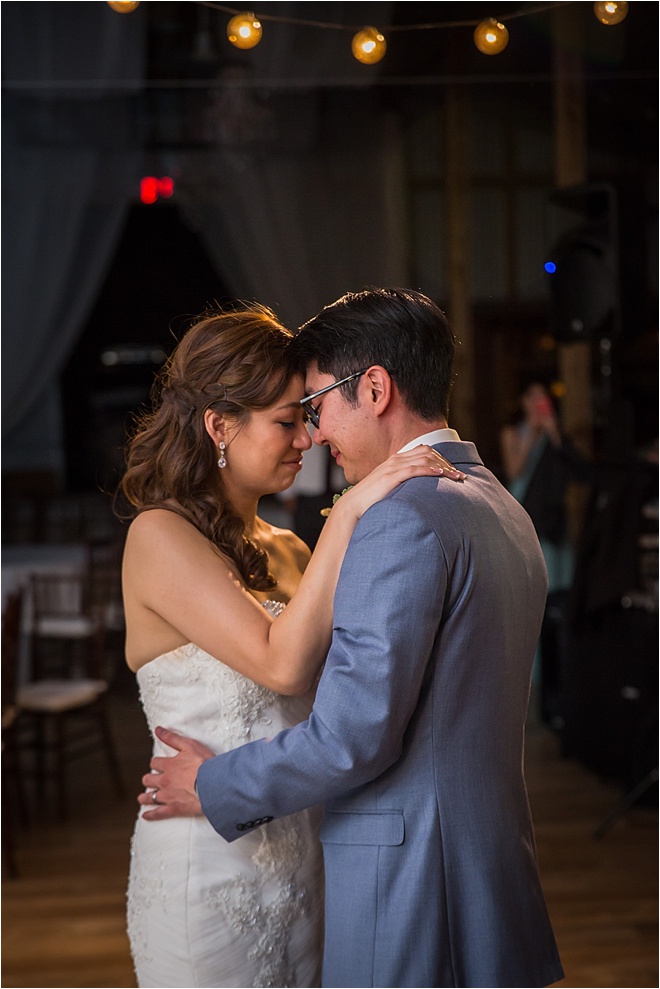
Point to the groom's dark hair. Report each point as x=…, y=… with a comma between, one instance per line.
x=400, y=329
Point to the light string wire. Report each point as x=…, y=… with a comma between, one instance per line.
x=419, y=81
x=390, y=28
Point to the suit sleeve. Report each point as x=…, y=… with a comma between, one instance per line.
x=387, y=613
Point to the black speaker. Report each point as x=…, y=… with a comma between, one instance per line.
x=583, y=264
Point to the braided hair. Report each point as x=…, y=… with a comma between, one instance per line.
x=232, y=362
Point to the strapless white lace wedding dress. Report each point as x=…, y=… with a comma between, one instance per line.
x=203, y=911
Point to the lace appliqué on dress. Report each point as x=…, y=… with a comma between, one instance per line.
x=144, y=891
x=280, y=854
x=243, y=904
x=245, y=705
x=241, y=703
x=269, y=892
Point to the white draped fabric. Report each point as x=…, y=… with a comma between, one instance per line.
x=300, y=200
x=70, y=159
x=55, y=255
x=295, y=207
x=296, y=231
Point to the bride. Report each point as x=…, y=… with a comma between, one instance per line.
x=217, y=656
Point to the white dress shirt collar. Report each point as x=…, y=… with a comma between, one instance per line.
x=435, y=436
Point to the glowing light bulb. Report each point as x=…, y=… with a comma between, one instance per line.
x=244, y=31
x=491, y=37
x=124, y=6
x=368, y=46
x=611, y=13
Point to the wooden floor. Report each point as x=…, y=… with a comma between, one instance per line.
x=63, y=917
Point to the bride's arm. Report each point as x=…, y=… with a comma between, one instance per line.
x=174, y=572
x=308, y=616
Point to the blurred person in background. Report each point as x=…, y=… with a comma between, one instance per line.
x=539, y=463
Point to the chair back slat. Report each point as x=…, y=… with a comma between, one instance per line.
x=65, y=611
x=11, y=631
x=63, y=703
x=60, y=595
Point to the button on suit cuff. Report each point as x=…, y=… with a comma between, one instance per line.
x=249, y=825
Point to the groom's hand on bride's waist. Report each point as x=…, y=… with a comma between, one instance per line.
x=170, y=786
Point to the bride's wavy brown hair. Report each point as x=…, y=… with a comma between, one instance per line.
x=233, y=362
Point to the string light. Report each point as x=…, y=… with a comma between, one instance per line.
x=124, y=6
x=368, y=46
x=611, y=13
x=491, y=37
x=244, y=31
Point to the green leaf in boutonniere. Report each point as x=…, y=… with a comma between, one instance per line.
x=335, y=498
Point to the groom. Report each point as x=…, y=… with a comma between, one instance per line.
x=415, y=742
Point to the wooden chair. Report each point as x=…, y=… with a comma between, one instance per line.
x=14, y=803
x=65, y=702
x=104, y=559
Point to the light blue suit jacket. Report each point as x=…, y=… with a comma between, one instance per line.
x=415, y=746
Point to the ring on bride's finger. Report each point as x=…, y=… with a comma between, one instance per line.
x=154, y=798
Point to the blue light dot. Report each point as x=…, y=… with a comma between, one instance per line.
x=550, y=267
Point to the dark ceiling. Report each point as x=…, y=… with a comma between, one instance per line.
x=187, y=44
x=630, y=47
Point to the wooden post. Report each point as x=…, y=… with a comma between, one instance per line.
x=457, y=211
x=574, y=359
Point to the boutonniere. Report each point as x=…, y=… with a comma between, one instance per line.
x=335, y=498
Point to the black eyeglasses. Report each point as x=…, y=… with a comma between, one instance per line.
x=313, y=415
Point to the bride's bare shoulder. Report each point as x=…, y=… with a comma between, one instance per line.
x=155, y=522
x=160, y=534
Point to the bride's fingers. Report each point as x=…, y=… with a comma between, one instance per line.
x=437, y=462
x=448, y=470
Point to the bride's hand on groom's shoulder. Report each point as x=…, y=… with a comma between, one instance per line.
x=420, y=461
x=170, y=786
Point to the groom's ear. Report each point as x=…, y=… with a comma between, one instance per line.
x=378, y=387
